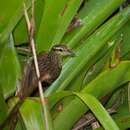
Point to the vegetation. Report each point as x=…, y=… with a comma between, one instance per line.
x=97, y=79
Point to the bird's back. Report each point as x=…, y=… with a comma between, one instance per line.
x=50, y=69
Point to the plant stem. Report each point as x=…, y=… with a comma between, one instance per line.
x=30, y=26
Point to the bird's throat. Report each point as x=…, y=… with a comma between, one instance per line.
x=56, y=58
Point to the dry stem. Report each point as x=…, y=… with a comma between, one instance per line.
x=30, y=26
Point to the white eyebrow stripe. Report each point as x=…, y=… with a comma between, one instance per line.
x=59, y=48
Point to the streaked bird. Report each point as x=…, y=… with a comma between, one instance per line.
x=50, y=66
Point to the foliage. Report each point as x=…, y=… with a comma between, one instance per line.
x=99, y=69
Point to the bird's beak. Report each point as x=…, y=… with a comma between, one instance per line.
x=71, y=53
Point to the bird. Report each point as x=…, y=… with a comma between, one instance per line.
x=50, y=66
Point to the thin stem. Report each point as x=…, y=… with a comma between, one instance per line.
x=32, y=43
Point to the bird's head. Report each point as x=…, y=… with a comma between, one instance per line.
x=62, y=50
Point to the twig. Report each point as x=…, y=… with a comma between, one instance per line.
x=26, y=50
x=31, y=35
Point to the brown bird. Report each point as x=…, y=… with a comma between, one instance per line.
x=50, y=66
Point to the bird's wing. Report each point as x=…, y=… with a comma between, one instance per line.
x=27, y=80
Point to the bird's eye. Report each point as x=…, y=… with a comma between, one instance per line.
x=60, y=49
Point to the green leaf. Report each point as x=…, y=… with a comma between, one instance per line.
x=20, y=125
x=3, y=108
x=106, y=82
x=33, y=116
x=54, y=98
x=89, y=50
x=9, y=68
x=95, y=13
x=123, y=121
x=99, y=111
x=125, y=47
x=49, y=23
x=20, y=32
x=70, y=10
x=89, y=73
x=10, y=12
x=89, y=100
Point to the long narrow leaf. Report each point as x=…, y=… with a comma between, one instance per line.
x=89, y=51
x=3, y=108
x=95, y=13
x=70, y=11
x=11, y=15
x=9, y=68
x=32, y=116
x=105, y=83
x=99, y=111
x=49, y=23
